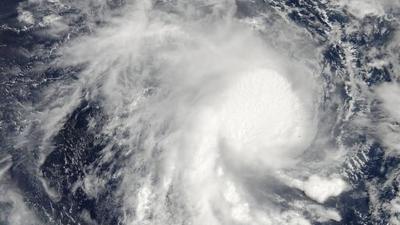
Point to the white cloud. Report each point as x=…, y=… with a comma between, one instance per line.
x=389, y=93
x=321, y=188
x=324, y=214
x=25, y=17
x=394, y=210
x=19, y=214
x=388, y=129
x=362, y=8
x=317, y=187
x=317, y=212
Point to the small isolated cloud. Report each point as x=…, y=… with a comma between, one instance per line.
x=25, y=17
x=322, y=188
x=318, y=188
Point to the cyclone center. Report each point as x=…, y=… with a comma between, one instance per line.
x=261, y=117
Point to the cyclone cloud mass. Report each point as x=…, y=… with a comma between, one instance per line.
x=200, y=112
